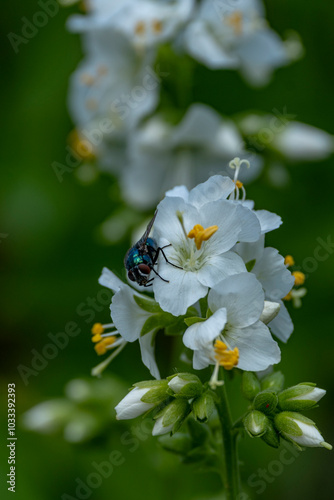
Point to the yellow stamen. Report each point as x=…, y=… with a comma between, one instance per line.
x=226, y=357
x=101, y=347
x=299, y=278
x=97, y=329
x=82, y=147
x=157, y=26
x=140, y=28
x=235, y=20
x=239, y=184
x=289, y=261
x=97, y=338
x=288, y=296
x=200, y=234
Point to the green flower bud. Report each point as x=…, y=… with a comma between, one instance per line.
x=300, y=397
x=250, y=385
x=271, y=437
x=299, y=429
x=145, y=396
x=203, y=407
x=255, y=423
x=171, y=417
x=266, y=402
x=273, y=382
x=185, y=385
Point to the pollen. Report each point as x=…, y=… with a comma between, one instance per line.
x=200, y=234
x=102, y=346
x=157, y=26
x=289, y=261
x=235, y=20
x=228, y=358
x=239, y=184
x=288, y=296
x=87, y=79
x=140, y=28
x=299, y=278
x=97, y=329
x=82, y=148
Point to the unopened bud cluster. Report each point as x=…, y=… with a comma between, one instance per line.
x=274, y=412
x=173, y=400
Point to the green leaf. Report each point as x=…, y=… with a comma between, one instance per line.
x=250, y=265
x=148, y=305
x=193, y=320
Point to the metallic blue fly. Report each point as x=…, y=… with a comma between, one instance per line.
x=142, y=257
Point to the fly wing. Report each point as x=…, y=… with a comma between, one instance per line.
x=142, y=242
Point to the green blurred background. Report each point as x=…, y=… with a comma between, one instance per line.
x=51, y=260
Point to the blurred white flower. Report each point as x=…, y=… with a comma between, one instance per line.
x=235, y=35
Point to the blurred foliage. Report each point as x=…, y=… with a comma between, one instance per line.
x=51, y=260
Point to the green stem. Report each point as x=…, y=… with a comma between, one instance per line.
x=230, y=456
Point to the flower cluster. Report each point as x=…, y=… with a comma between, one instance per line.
x=214, y=283
x=127, y=100
x=274, y=412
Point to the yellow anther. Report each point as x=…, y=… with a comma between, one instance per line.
x=101, y=347
x=140, y=28
x=87, y=79
x=239, y=184
x=289, y=261
x=200, y=234
x=288, y=296
x=97, y=329
x=82, y=147
x=226, y=357
x=96, y=338
x=157, y=26
x=235, y=20
x=299, y=278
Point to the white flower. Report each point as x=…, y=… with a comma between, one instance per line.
x=300, y=142
x=236, y=303
x=187, y=153
x=146, y=23
x=129, y=319
x=200, y=236
x=269, y=268
x=132, y=406
x=110, y=92
x=235, y=35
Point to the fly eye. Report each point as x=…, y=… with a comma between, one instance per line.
x=131, y=276
x=144, y=269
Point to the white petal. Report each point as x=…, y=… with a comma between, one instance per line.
x=250, y=225
x=268, y=220
x=182, y=291
x=201, y=334
x=110, y=280
x=257, y=349
x=270, y=311
x=315, y=395
x=219, y=267
x=147, y=348
x=271, y=271
x=310, y=437
x=159, y=429
x=250, y=251
x=242, y=296
x=299, y=141
x=282, y=325
x=128, y=317
x=215, y=188
x=179, y=191
x=131, y=406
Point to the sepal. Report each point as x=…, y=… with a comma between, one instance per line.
x=300, y=397
x=250, y=385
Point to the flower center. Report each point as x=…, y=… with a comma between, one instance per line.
x=228, y=358
x=199, y=234
x=235, y=20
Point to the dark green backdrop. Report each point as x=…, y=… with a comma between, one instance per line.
x=51, y=260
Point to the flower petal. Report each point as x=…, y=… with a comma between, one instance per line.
x=215, y=188
x=205, y=332
x=282, y=325
x=110, y=280
x=127, y=316
x=219, y=267
x=147, y=347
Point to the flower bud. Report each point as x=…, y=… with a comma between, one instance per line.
x=170, y=418
x=144, y=397
x=203, y=407
x=255, y=423
x=270, y=311
x=271, y=436
x=300, y=397
x=185, y=385
x=299, y=429
x=250, y=385
x=273, y=382
x=266, y=402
